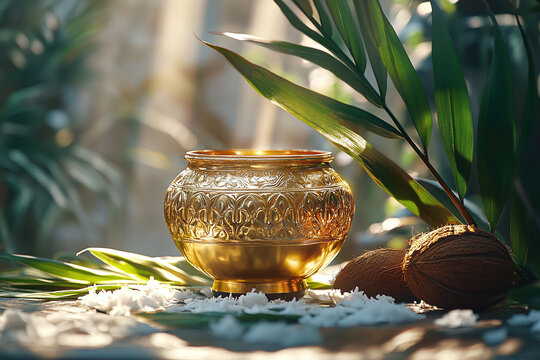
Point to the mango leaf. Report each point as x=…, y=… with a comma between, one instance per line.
x=143, y=267
x=341, y=13
x=320, y=58
x=73, y=273
x=399, y=67
x=325, y=117
x=374, y=58
x=496, y=133
x=452, y=101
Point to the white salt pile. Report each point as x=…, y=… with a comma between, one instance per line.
x=458, y=318
x=532, y=319
x=147, y=298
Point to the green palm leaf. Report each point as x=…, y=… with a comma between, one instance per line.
x=143, y=267
x=320, y=58
x=399, y=67
x=71, y=272
x=523, y=229
x=325, y=118
x=452, y=101
x=341, y=13
x=496, y=133
x=375, y=60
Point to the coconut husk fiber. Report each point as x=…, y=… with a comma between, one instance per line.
x=459, y=266
x=375, y=272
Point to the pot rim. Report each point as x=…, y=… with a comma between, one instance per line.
x=258, y=156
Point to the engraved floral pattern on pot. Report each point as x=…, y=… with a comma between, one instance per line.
x=257, y=205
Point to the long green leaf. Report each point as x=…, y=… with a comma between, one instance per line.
x=305, y=6
x=303, y=28
x=341, y=13
x=523, y=229
x=56, y=295
x=144, y=267
x=319, y=105
x=399, y=68
x=438, y=192
x=326, y=23
x=74, y=273
x=40, y=176
x=452, y=101
x=496, y=133
x=381, y=75
x=320, y=58
x=298, y=24
x=307, y=106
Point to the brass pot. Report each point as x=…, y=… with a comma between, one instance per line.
x=263, y=220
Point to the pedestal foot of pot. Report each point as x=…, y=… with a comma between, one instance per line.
x=284, y=290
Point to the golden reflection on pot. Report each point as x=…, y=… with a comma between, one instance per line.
x=263, y=220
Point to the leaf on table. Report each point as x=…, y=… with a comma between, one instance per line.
x=342, y=15
x=316, y=285
x=399, y=67
x=323, y=117
x=320, y=58
x=496, y=133
x=452, y=101
x=143, y=267
x=70, y=272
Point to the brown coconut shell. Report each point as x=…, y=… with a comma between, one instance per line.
x=376, y=272
x=459, y=266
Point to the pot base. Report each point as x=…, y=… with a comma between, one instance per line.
x=284, y=290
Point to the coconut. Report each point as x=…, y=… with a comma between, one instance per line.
x=459, y=266
x=375, y=272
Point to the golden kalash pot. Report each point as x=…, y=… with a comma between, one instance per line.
x=263, y=220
